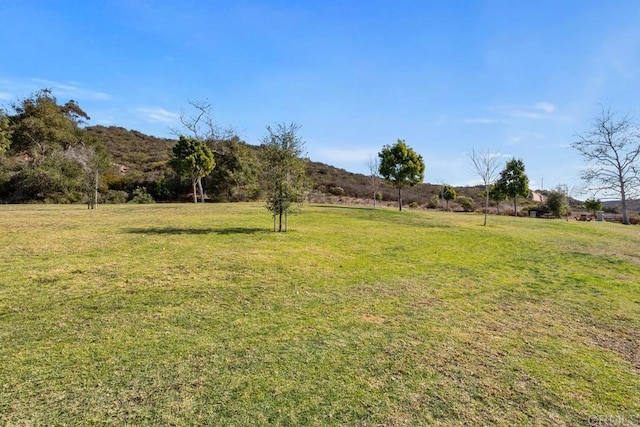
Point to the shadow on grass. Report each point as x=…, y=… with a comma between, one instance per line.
x=195, y=231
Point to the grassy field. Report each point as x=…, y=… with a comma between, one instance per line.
x=199, y=315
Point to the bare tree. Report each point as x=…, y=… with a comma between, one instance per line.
x=612, y=151
x=486, y=166
x=200, y=124
x=94, y=161
x=374, y=176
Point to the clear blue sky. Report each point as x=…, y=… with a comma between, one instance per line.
x=521, y=78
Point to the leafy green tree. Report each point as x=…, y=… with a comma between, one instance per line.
x=401, y=166
x=42, y=134
x=513, y=182
x=447, y=193
x=235, y=177
x=192, y=158
x=40, y=126
x=557, y=203
x=5, y=132
x=612, y=151
x=466, y=203
x=284, y=173
x=593, y=205
x=496, y=196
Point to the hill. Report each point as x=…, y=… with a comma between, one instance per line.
x=143, y=159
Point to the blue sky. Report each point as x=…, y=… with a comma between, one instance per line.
x=521, y=78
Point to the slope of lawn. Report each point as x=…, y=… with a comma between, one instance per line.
x=199, y=315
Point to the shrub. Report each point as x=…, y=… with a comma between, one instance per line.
x=466, y=203
x=336, y=191
x=115, y=196
x=141, y=196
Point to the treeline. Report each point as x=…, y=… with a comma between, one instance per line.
x=49, y=154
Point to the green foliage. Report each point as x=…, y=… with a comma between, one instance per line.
x=235, y=177
x=557, y=203
x=115, y=196
x=140, y=196
x=593, y=205
x=448, y=193
x=284, y=171
x=5, y=132
x=513, y=182
x=467, y=203
x=401, y=166
x=192, y=158
x=336, y=190
x=40, y=126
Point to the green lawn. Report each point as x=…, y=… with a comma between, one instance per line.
x=199, y=315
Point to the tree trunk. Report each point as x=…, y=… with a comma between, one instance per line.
x=486, y=206
x=515, y=206
x=195, y=194
x=623, y=199
x=374, y=198
x=280, y=222
x=400, y=198
x=95, y=192
x=200, y=190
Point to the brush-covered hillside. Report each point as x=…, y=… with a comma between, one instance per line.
x=141, y=160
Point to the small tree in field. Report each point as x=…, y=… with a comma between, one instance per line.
x=447, y=193
x=593, y=205
x=557, y=202
x=612, y=150
x=486, y=167
x=374, y=176
x=192, y=158
x=284, y=164
x=496, y=196
x=401, y=166
x=513, y=182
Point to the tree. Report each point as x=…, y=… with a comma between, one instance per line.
x=611, y=149
x=235, y=177
x=486, y=167
x=401, y=166
x=201, y=124
x=557, y=202
x=94, y=160
x=192, y=158
x=40, y=126
x=5, y=132
x=447, y=193
x=593, y=205
x=496, y=196
x=373, y=164
x=513, y=182
x=284, y=164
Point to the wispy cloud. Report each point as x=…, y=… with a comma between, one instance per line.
x=484, y=121
x=6, y=96
x=72, y=90
x=508, y=113
x=158, y=114
x=537, y=111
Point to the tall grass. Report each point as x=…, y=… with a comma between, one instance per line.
x=199, y=315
